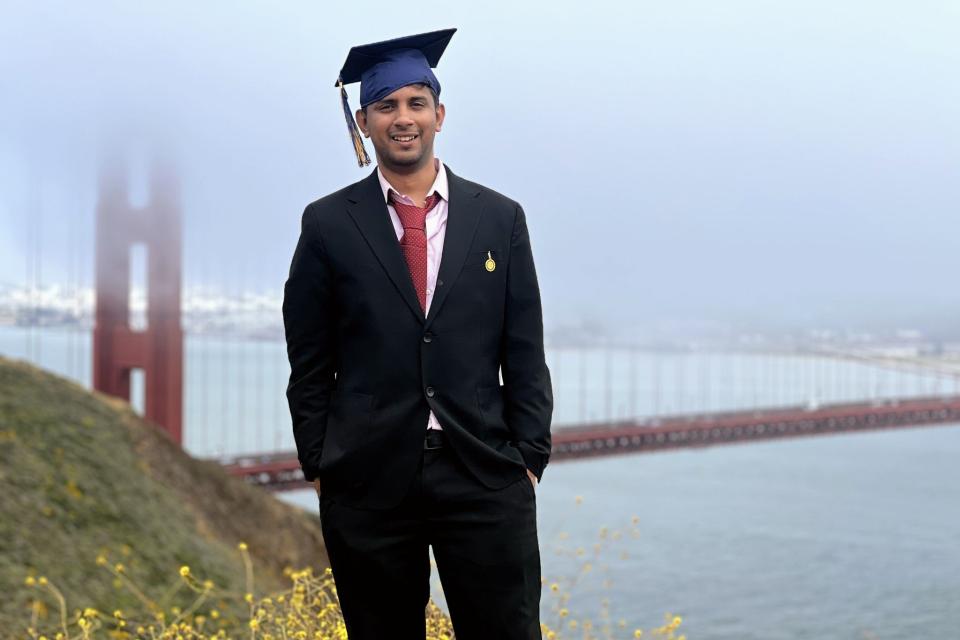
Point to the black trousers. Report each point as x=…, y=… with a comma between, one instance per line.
x=484, y=542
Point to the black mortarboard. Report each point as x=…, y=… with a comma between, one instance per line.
x=383, y=67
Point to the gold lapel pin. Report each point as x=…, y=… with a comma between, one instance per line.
x=490, y=264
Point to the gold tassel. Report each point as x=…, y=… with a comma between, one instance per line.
x=363, y=159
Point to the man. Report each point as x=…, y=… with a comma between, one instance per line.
x=410, y=292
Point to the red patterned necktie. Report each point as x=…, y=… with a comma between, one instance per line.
x=414, y=240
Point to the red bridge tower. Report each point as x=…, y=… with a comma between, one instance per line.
x=158, y=349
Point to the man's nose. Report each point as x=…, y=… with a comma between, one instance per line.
x=403, y=118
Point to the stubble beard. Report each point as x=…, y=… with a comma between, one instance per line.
x=406, y=161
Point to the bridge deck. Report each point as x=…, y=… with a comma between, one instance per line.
x=281, y=471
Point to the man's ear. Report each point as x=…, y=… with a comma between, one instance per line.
x=441, y=114
x=362, y=121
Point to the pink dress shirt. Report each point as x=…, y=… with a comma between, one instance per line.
x=436, y=228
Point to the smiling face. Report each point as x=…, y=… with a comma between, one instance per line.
x=402, y=127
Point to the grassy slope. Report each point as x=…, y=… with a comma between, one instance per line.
x=81, y=474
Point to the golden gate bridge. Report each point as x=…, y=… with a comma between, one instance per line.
x=616, y=398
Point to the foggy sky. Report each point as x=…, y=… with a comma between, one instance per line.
x=781, y=163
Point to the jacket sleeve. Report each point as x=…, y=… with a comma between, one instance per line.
x=528, y=396
x=309, y=327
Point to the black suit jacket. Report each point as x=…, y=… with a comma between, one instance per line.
x=367, y=366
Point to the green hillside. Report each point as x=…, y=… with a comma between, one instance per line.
x=81, y=475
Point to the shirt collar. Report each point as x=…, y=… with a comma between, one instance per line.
x=439, y=185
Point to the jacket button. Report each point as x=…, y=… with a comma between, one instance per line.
x=428, y=337
x=430, y=392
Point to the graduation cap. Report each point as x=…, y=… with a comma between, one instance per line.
x=383, y=67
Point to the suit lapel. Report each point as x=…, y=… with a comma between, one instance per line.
x=463, y=214
x=369, y=212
